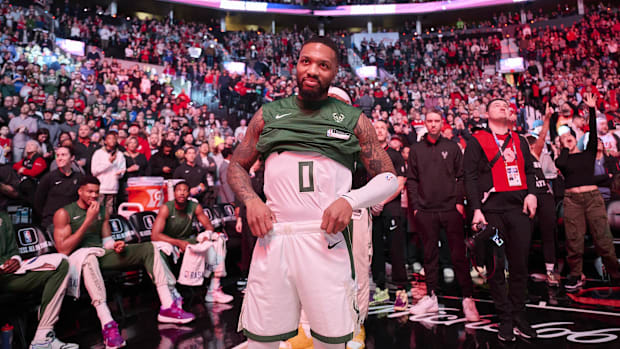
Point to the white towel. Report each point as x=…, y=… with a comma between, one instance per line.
x=193, y=266
x=168, y=249
x=76, y=261
x=44, y=262
x=201, y=259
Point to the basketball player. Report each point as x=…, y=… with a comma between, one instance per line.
x=362, y=255
x=84, y=224
x=302, y=258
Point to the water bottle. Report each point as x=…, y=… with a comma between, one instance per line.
x=7, y=336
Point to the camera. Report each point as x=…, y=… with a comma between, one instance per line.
x=480, y=239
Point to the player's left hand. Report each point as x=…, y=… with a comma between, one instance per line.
x=337, y=216
x=10, y=266
x=119, y=246
x=529, y=205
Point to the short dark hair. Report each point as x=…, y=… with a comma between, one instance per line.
x=325, y=41
x=70, y=149
x=85, y=180
x=180, y=183
x=226, y=152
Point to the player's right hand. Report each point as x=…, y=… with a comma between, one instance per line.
x=260, y=218
x=183, y=245
x=93, y=211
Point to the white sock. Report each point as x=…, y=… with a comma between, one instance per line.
x=175, y=294
x=165, y=297
x=215, y=283
x=260, y=345
x=549, y=267
x=103, y=313
x=41, y=335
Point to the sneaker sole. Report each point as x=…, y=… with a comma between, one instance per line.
x=502, y=339
x=124, y=344
x=169, y=320
x=212, y=301
x=518, y=332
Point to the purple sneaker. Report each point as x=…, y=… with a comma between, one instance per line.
x=111, y=337
x=175, y=315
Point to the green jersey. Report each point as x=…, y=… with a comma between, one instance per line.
x=329, y=130
x=77, y=216
x=179, y=223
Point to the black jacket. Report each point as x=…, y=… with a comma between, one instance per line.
x=158, y=162
x=479, y=179
x=435, y=175
x=55, y=190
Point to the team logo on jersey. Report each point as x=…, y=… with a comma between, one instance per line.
x=338, y=117
x=444, y=154
x=333, y=133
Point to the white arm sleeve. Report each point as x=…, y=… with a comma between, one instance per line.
x=379, y=188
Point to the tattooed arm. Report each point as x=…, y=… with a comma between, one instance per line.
x=375, y=159
x=259, y=216
x=373, y=156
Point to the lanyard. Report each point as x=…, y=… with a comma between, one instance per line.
x=514, y=149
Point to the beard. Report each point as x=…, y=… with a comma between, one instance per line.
x=312, y=94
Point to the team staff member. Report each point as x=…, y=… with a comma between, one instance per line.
x=389, y=220
x=435, y=190
x=174, y=226
x=57, y=188
x=53, y=283
x=499, y=181
x=84, y=223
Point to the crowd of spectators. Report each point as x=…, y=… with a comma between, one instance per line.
x=77, y=101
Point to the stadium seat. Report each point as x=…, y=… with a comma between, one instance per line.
x=32, y=241
x=228, y=212
x=122, y=230
x=142, y=223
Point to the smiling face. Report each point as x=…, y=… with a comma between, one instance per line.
x=316, y=68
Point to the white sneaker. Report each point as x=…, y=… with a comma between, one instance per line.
x=417, y=266
x=469, y=308
x=448, y=274
x=425, y=305
x=51, y=342
x=218, y=296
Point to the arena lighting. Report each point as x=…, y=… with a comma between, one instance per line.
x=346, y=10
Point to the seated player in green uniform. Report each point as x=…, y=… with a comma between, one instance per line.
x=83, y=224
x=174, y=226
x=53, y=283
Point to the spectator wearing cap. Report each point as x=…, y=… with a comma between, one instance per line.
x=163, y=163
x=108, y=165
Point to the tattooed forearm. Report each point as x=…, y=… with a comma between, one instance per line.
x=243, y=158
x=374, y=158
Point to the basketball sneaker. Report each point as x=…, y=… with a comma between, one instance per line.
x=402, y=301
x=112, y=337
x=574, y=283
x=218, y=296
x=380, y=296
x=51, y=342
x=359, y=341
x=428, y=304
x=469, y=309
x=552, y=279
x=174, y=315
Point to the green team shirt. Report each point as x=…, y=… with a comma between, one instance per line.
x=179, y=223
x=329, y=130
x=77, y=216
